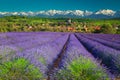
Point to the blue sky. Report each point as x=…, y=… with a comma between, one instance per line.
x=38, y=5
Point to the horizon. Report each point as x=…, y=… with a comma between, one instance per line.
x=45, y=5
x=60, y=10
x=105, y=13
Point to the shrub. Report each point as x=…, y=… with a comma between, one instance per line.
x=108, y=28
x=82, y=69
x=19, y=69
x=118, y=30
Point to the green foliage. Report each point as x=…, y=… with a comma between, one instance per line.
x=118, y=30
x=19, y=69
x=82, y=69
x=22, y=23
x=108, y=28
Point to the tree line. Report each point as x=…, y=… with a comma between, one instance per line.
x=27, y=24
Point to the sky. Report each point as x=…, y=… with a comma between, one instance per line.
x=40, y=5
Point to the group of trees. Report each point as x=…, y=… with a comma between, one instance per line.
x=108, y=29
x=22, y=23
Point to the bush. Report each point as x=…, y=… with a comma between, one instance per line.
x=19, y=69
x=82, y=69
x=118, y=30
x=108, y=29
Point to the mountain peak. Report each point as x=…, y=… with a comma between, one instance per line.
x=106, y=12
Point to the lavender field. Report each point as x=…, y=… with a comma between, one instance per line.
x=59, y=56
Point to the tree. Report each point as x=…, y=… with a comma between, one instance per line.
x=118, y=30
x=108, y=29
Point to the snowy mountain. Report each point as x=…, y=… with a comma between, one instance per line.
x=106, y=13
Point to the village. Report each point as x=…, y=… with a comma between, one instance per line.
x=70, y=26
x=28, y=24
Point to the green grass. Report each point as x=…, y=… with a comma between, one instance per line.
x=19, y=69
x=82, y=69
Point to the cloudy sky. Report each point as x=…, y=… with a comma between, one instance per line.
x=38, y=5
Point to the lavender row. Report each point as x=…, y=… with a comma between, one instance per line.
x=49, y=50
x=75, y=51
x=7, y=53
x=43, y=56
x=31, y=41
x=109, y=56
x=11, y=38
x=35, y=42
x=104, y=42
x=115, y=38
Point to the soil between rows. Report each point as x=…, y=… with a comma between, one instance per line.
x=58, y=60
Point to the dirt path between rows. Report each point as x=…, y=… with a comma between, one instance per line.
x=57, y=61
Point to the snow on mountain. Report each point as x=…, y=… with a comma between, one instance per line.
x=78, y=13
x=105, y=13
x=87, y=13
x=3, y=13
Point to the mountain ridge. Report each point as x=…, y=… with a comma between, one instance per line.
x=105, y=13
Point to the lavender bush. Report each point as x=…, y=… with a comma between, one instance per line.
x=44, y=55
x=78, y=64
x=104, y=53
x=114, y=38
x=104, y=42
x=31, y=56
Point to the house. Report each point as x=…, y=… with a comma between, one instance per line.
x=70, y=28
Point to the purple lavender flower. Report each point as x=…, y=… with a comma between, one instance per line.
x=76, y=54
x=42, y=56
x=104, y=53
x=104, y=42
